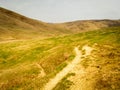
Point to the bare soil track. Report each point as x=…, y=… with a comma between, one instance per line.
x=54, y=81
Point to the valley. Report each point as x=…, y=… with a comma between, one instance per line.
x=35, y=55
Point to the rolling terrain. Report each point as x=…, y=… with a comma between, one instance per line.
x=14, y=26
x=80, y=55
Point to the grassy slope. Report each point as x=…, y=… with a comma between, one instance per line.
x=16, y=26
x=19, y=59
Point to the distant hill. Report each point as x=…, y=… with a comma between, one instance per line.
x=83, y=25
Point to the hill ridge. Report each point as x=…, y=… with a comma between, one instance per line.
x=15, y=26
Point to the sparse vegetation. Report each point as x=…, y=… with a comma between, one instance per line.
x=64, y=83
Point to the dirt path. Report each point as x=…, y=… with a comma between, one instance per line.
x=80, y=79
x=87, y=50
x=54, y=81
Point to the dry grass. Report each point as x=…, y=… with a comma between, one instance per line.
x=18, y=69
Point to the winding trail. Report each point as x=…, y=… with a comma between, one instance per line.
x=54, y=81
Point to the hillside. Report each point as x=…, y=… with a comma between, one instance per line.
x=86, y=25
x=16, y=26
x=31, y=64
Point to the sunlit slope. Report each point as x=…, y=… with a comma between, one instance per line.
x=30, y=64
x=16, y=26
